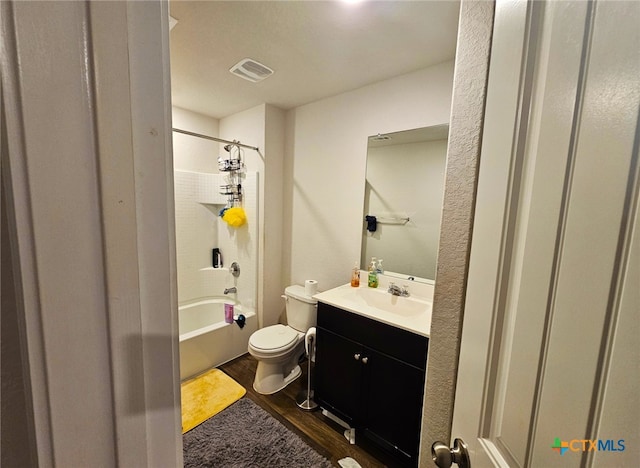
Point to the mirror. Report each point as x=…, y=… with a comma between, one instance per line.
x=403, y=192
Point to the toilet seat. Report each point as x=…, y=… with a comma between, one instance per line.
x=275, y=339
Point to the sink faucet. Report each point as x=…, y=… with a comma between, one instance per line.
x=230, y=290
x=397, y=290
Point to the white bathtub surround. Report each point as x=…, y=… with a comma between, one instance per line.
x=199, y=229
x=206, y=340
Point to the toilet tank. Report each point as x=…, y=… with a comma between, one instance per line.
x=301, y=309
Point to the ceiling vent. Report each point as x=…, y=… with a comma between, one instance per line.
x=251, y=70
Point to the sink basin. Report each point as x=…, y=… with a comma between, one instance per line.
x=410, y=313
x=395, y=304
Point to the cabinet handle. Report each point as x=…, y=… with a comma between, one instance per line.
x=365, y=360
x=356, y=356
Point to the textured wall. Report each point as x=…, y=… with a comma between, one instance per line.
x=471, y=69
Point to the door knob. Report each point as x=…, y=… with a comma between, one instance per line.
x=356, y=356
x=444, y=457
x=365, y=360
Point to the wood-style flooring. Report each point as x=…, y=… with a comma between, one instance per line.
x=321, y=433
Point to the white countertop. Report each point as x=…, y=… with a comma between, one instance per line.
x=409, y=313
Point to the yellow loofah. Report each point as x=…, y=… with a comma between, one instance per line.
x=235, y=216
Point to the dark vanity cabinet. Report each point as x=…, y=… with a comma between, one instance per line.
x=372, y=376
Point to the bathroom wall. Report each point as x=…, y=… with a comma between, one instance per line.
x=325, y=161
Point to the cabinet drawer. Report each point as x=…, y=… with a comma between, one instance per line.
x=400, y=344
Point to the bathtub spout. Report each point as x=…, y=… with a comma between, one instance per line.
x=231, y=290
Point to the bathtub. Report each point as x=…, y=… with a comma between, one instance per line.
x=206, y=340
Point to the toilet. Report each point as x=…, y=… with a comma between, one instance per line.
x=278, y=348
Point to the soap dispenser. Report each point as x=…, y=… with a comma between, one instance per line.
x=379, y=269
x=355, y=275
x=373, y=275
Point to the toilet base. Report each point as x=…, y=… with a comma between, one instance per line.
x=268, y=380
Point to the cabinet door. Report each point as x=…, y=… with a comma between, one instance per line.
x=393, y=401
x=338, y=375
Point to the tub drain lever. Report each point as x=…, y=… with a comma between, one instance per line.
x=305, y=397
x=240, y=320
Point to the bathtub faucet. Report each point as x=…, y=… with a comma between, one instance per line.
x=230, y=290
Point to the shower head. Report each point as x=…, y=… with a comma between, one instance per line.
x=227, y=148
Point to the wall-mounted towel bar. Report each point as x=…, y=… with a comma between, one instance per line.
x=390, y=220
x=401, y=221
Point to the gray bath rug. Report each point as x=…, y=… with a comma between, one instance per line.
x=244, y=435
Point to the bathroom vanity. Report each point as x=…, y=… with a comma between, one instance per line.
x=371, y=354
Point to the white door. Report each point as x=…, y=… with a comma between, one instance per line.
x=549, y=369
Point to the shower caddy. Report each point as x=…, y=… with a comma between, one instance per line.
x=234, y=167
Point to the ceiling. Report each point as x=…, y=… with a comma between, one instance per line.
x=316, y=48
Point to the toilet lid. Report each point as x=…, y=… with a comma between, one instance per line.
x=273, y=337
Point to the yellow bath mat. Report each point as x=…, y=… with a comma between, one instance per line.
x=206, y=395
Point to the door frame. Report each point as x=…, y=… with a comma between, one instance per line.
x=463, y=158
x=86, y=97
x=532, y=137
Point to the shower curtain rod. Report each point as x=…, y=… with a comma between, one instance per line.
x=219, y=140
